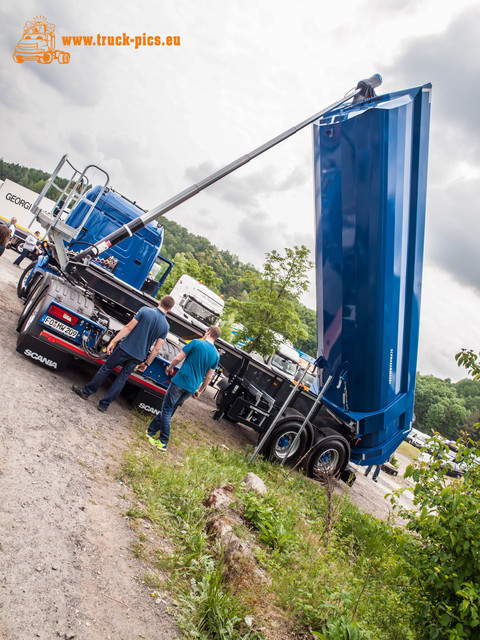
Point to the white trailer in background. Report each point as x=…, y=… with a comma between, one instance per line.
x=15, y=202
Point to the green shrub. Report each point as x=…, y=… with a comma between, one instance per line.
x=442, y=557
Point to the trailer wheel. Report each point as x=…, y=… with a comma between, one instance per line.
x=280, y=441
x=327, y=457
x=23, y=287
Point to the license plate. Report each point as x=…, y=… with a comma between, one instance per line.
x=59, y=326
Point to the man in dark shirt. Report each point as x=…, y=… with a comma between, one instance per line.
x=200, y=359
x=149, y=327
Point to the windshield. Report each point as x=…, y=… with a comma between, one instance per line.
x=308, y=380
x=283, y=364
x=198, y=311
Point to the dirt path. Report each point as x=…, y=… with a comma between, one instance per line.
x=66, y=565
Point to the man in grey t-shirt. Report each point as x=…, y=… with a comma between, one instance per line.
x=148, y=327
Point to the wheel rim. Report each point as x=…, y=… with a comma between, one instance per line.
x=28, y=306
x=327, y=461
x=29, y=321
x=283, y=443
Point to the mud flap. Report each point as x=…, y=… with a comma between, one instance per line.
x=148, y=402
x=42, y=353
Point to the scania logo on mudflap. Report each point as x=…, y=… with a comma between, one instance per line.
x=42, y=359
x=147, y=407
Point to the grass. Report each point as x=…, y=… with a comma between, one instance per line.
x=348, y=589
x=409, y=450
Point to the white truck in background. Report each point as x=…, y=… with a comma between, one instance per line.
x=196, y=302
x=15, y=202
x=285, y=360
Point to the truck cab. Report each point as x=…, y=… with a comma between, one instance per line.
x=284, y=360
x=195, y=301
x=133, y=260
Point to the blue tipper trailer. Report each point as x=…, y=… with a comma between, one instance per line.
x=370, y=181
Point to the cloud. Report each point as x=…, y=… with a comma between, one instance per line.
x=453, y=229
x=248, y=190
x=451, y=61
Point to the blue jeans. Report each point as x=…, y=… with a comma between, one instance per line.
x=25, y=254
x=378, y=468
x=119, y=358
x=173, y=398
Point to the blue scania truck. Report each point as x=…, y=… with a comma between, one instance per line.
x=370, y=168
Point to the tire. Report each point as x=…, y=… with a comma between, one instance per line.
x=282, y=437
x=46, y=58
x=63, y=57
x=29, y=315
x=17, y=58
x=29, y=304
x=19, y=246
x=328, y=456
x=22, y=288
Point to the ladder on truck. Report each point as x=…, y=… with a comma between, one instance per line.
x=73, y=193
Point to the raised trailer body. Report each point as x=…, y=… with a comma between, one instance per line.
x=371, y=177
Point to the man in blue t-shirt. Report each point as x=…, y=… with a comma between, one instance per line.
x=200, y=359
x=149, y=327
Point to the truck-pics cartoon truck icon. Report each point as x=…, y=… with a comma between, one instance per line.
x=38, y=43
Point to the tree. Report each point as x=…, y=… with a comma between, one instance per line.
x=183, y=263
x=308, y=318
x=208, y=277
x=270, y=311
x=438, y=407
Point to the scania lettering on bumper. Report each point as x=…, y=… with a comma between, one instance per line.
x=40, y=358
x=147, y=407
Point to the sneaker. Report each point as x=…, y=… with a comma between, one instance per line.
x=100, y=408
x=155, y=442
x=79, y=391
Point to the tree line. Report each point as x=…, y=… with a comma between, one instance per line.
x=446, y=407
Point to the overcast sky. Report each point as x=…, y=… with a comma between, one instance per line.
x=160, y=118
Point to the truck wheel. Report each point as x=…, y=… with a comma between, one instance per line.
x=23, y=287
x=46, y=58
x=29, y=315
x=327, y=457
x=280, y=440
x=17, y=58
x=19, y=246
x=63, y=57
x=30, y=303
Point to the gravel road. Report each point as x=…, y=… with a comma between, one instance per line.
x=66, y=563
